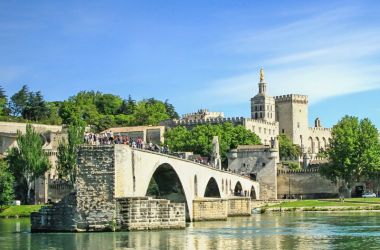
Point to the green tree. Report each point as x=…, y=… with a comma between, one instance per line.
x=150, y=112
x=19, y=101
x=354, y=152
x=128, y=107
x=4, y=111
x=68, y=151
x=6, y=184
x=53, y=113
x=36, y=108
x=28, y=160
x=199, y=139
x=288, y=150
x=170, y=110
x=69, y=112
x=108, y=104
x=105, y=122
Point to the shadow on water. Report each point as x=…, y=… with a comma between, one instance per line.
x=267, y=231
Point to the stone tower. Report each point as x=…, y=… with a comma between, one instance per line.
x=263, y=106
x=292, y=115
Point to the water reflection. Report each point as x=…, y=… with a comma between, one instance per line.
x=277, y=231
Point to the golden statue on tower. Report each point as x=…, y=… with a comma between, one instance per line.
x=261, y=74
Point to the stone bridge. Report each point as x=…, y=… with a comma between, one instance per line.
x=113, y=182
x=176, y=179
x=120, y=171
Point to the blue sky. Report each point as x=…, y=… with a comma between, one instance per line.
x=198, y=54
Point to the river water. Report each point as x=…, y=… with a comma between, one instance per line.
x=307, y=230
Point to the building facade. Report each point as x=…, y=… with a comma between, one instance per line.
x=47, y=186
x=271, y=116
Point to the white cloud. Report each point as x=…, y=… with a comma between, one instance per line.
x=321, y=56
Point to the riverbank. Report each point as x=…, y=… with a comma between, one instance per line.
x=19, y=211
x=357, y=204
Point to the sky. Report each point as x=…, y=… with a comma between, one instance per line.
x=198, y=54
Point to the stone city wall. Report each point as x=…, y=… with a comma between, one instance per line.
x=305, y=183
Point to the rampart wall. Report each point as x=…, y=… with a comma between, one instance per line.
x=307, y=183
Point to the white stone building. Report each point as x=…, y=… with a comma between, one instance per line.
x=202, y=114
x=271, y=116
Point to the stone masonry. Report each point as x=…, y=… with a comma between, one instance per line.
x=144, y=213
x=95, y=188
x=94, y=207
x=239, y=206
x=59, y=217
x=219, y=209
x=210, y=209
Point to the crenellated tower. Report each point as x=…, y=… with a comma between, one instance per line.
x=292, y=115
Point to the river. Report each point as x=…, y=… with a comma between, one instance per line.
x=307, y=230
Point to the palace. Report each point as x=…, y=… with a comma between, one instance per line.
x=271, y=116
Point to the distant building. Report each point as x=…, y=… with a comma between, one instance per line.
x=202, y=114
x=51, y=136
x=270, y=116
x=154, y=134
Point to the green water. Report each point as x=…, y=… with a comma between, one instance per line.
x=268, y=231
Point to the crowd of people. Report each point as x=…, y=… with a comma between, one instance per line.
x=109, y=138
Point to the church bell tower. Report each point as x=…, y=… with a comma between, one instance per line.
x=263, y=106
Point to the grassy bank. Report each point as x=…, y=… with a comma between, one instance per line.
x=19, y=211
x=328, y=205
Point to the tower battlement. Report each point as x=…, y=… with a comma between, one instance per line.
x=292, y=98
x=313, y=129
x=192, y=123
x=202, y=114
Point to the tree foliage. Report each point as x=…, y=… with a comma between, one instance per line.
x=288, y=150
x=199, y=139
x=67, y=152
x=3, y=103
x=6, y=184
x=354, y=151
x=28, y=161
x=94, y=108
x=19, y=101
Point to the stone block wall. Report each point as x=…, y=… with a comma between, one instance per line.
x=239, y=206
x=58, y=217
x=308, y=184
x=95, y=188
x=144, y=213
x=94, y=207
x=210, y=209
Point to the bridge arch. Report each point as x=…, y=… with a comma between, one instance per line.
x=238, y=190
x=253, y=193
x=212, y=189
x=165, y=183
